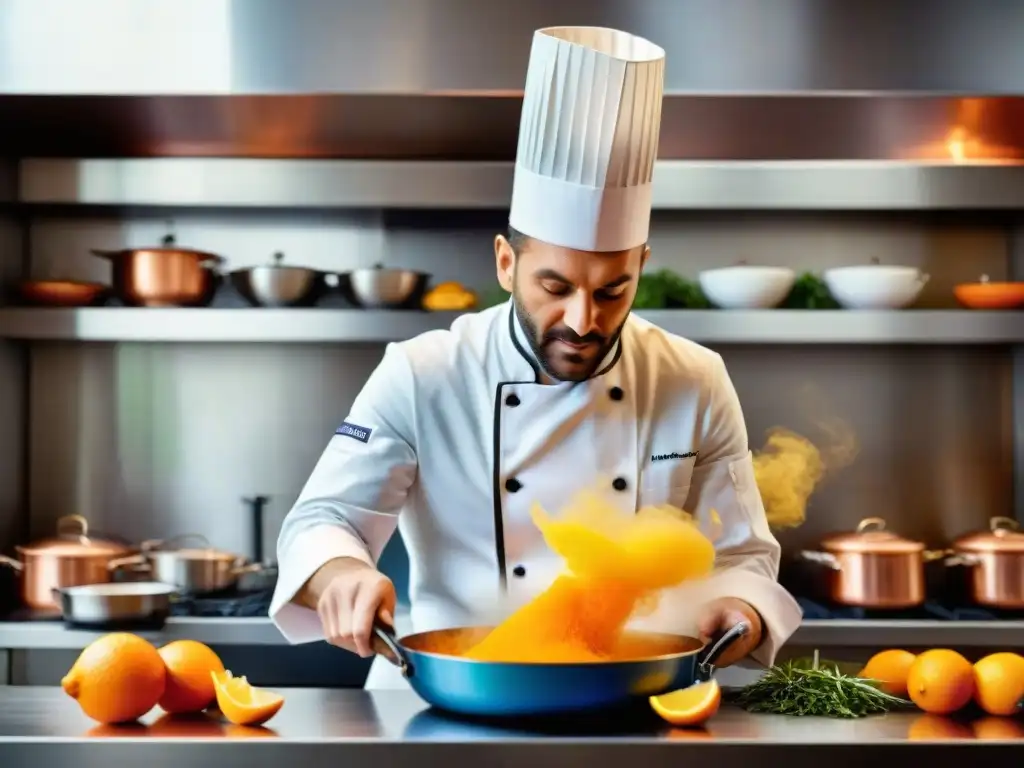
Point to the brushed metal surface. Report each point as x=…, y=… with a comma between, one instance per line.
x=423, y=46
x=847, y=185
x=791, y=126
x=319, y=727
x=306, y=326
x=13, y=392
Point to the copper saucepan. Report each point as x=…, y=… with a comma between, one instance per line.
x=193, y=570
x=168, y=276
x=71, y=559
x=995, y=559
x=62, y=293
x=874, y=568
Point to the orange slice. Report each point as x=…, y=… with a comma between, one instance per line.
x=689, y=706
x=242, y=704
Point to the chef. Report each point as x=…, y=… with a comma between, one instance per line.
x=458, y=432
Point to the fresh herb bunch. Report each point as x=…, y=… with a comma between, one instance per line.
x=806, y=688
x=810, y=292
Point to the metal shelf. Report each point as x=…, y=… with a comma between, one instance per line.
x=371, y=326
x=678, y=185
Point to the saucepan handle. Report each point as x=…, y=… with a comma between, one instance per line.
x=386, y=644
x=707, y=658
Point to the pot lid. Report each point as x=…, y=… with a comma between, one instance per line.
x=72, y=540
x=871, y=538
x=1003, y=535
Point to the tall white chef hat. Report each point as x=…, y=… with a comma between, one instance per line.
x=588, y=139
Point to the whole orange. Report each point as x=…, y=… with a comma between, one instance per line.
x=940, y=681
x=189, y=684
x=117, y=678
x=999, y=683
x=890, y=668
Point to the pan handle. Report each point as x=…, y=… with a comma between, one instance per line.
x=707, y=658
x=386, y=644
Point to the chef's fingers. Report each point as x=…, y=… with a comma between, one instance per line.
x=332, y=616
x=370, y=596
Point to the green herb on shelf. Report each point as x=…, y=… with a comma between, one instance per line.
x=812, y=688
x=810, y=292
x=665, y=289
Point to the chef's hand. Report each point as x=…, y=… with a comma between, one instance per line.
x=349, y=596
x=723, y=614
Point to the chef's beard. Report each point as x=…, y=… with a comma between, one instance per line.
x=539, y=343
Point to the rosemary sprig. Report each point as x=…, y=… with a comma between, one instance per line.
x=815, y=689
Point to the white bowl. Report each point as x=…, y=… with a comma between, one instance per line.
x=747, y=287
x=875, y=286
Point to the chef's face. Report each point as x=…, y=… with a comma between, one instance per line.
x=572, y=304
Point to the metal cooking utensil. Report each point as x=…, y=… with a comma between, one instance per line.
x=278, y=285
x=167, y=276
x=105, y=606
x=379, y=288
x=62, y=293
x=430, y=661
x=193, y=571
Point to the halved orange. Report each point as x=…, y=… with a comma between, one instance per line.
x=242, y=704
x=689, y=706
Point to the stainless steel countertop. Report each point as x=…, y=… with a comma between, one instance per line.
x=317, y=726
x=1007, y=635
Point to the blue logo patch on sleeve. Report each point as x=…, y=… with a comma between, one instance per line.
x=362, y=434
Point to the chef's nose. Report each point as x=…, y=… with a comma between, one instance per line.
x=581, y=314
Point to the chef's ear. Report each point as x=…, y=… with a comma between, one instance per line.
x=504, y=261
x=646, y=255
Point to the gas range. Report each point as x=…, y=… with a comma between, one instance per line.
x=228, y=604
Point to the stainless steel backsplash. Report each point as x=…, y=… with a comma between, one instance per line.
x=149, y=440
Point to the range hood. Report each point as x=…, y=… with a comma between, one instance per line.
x=441, y=79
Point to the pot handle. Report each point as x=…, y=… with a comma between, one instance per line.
x=80, y=523
x=999, y=525
x=871, y=524
x=965, y=560
x=10, y=562
x=707, y=658
x=386, y=644
x=821, y=558
x=241, y=567
x=931, y=555
x=132, y=561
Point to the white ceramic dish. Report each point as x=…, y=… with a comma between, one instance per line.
x=875, y=286
x=747, y=287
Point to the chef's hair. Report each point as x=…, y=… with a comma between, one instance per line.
x=517, y=240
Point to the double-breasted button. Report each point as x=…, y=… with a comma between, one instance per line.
x=512, y=485
x=511, y=401
x=619, y=483
x=519, y=571
x=615, y=393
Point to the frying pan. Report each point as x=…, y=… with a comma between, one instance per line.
x=430, y=661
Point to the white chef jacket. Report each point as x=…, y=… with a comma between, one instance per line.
x=453, y=438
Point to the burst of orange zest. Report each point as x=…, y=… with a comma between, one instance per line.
x=689, y=706
x=242, y=704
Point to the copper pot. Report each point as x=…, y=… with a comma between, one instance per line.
x=873, y=567
x=167, y=276
x=71, y=559
x=62, y=293
x=996, y=561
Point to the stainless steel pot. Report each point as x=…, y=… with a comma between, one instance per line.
x=278, y=285
x=167, y=276
x=105, y=606
x=70, y=559
x=995, y=559
x=380, y=288
x=874, y=568
x=193, y=571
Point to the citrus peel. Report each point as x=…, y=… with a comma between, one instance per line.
x=241, y=703
x=689, y=706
